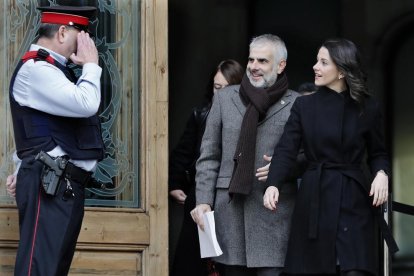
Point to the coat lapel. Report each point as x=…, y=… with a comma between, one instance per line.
x=282, y=103
x=238, y=102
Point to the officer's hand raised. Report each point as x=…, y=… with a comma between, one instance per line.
x=86, y=52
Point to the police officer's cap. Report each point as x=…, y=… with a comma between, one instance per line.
x=77, y=17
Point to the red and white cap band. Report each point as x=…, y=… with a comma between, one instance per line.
x=64, y=19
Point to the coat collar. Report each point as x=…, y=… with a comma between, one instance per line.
x=283, y=102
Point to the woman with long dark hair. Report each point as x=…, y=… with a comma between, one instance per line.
x=333, y=222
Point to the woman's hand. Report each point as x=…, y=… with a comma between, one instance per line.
x=379, y=188
x=271, y=198
x=178, y=195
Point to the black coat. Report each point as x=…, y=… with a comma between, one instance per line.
x=187, y=260
x=333, y=218
x=185, y=154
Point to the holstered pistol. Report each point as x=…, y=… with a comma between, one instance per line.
x=53, y=170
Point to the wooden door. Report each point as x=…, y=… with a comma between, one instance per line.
x=125, y=229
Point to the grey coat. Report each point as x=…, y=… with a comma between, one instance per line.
x=248, y=233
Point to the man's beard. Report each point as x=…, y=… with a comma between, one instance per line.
x=266, y=81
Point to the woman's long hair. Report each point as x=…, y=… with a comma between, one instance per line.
x=346, y=57
x=232, y=71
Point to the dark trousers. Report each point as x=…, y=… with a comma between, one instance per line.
x=187, y=261
x=49, y=225
x=237, y=270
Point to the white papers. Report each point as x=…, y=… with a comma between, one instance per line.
x=209, y=246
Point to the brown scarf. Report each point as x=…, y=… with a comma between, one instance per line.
x=257, y=102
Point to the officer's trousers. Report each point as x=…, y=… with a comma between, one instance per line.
x=49, y=225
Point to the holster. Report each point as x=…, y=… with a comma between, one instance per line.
x=52, y=173
x=59, y=168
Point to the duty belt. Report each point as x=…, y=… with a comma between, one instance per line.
x=77, y=174
x=57, y=168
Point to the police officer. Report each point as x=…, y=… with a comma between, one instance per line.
x=54, y=112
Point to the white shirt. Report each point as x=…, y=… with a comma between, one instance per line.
x=42, y=86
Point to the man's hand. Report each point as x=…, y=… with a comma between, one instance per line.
x=261, y=173
x=198, y=212
x=86, y=52
x=11, y=185
x=178, y=195
x=271, y=198
x=379, y=189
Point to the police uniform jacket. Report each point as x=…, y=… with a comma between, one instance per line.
x=54, y=113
